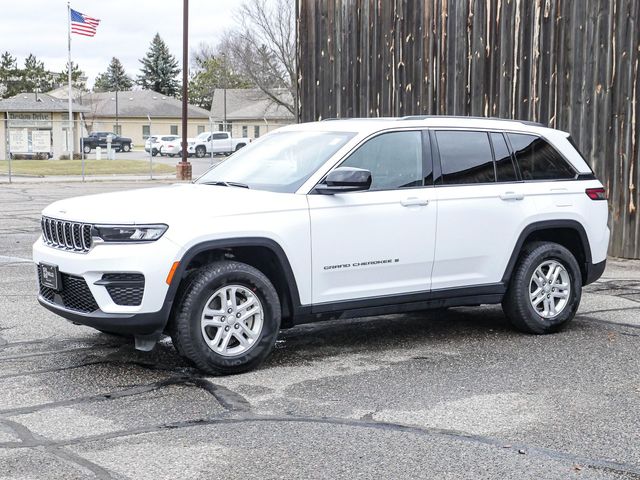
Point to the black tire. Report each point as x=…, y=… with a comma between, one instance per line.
x=200, y=151
x=185, y=326
x=86, y=148
x=517, y=304
x=154, y=152
x=171, y=155
x=239, y=146
x=126, y=147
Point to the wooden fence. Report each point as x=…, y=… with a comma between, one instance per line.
x=571, y=64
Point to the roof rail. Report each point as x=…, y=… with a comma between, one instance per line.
x=427, y=117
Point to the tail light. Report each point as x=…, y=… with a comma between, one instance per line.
x=169, y=146
x=596, y=193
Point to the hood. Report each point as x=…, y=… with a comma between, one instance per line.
x=170, y=204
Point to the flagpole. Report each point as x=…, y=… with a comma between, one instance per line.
x=70, y=131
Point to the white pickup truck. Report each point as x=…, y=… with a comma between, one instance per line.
x=215, y=142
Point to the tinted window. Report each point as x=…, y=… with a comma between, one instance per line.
x=394, y=160
x=465, y=157
x=505, y=170
x=537, y=159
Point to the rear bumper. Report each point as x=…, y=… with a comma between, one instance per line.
x=124, y=323
x=595, y=271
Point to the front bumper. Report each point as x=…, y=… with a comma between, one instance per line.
x=153, y=260
x=129, y=324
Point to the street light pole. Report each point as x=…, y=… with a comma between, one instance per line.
x=183, y=168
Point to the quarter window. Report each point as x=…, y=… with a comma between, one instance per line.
x=505, y=170
x=538, y=160
x=394, y=160
x=465, y=157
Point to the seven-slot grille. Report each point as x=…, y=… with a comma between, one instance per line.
x=72, y=236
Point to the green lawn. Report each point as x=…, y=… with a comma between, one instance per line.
x=74, y=167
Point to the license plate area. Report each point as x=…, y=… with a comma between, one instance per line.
x=50, y=276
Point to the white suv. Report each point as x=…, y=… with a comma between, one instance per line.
x=333, y=219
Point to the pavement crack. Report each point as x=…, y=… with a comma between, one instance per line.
x=28, y=439
x=128, y=392
x=629, y=470
x=228, y=399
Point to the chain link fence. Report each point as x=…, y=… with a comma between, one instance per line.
x=33, y=146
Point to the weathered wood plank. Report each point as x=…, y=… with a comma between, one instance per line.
x=570, y=64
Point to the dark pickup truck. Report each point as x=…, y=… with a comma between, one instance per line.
x=99, y=139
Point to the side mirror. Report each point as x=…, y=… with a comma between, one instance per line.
x=345, y=179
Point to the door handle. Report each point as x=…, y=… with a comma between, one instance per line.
x=511, y=196
x=413, y=201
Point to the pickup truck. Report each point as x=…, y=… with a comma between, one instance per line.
x=215, y=142
x=99, y=139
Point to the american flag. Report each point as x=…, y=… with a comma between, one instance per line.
x=82, y=24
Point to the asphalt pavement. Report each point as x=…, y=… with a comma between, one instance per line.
x=426, y=395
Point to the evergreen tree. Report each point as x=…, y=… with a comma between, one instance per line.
x=115, y=78
x=78, y=77
x=159, y=69
x=211, y=72
x=34, y=76
x=8, y=75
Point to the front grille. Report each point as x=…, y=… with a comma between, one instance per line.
x=124, y=288
x=71, y=236
x=74, y=294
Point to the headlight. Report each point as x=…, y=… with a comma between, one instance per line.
x=128, y=233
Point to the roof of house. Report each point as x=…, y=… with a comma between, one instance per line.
x=250, y=104
x=38, y=102
x=139, y=103
x=63, y=92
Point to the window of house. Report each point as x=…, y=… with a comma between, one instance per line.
x=145, y=131
x=245, y=131
x=394, y=160
x=538, y=160
x=256, y=131
x=505, y=170
x=174, y=129
x=117, y=129
x=465, y=157
x=200, y=129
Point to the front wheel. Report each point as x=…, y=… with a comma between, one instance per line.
x=227, y=318
x=126, y=147
x=545, y=289
x=200, y=151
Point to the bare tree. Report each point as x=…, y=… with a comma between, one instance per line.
x=263, y=49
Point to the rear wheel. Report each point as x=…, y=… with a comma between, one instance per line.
x=227, y=318
x=545, y=289
x=86, y=149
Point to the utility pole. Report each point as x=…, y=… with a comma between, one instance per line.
x=183, y=168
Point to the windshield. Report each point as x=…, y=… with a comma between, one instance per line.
x=278, y=162
x=203, y=136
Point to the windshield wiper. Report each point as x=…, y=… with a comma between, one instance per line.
x=227, y=184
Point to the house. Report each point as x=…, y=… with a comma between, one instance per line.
x=38, y=123
x=138, y=113
x=250, y=112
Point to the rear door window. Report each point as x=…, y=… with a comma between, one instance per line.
x=465, y=157
x=538, y=160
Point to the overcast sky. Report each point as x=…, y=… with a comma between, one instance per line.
x=125, y=31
